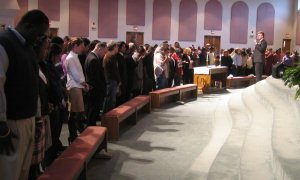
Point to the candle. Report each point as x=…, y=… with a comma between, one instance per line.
x=206, y=59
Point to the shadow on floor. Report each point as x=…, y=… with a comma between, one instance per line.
x=112, y=168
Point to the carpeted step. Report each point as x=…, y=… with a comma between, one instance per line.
x=285, y=92
x=286, y=128
x=256, y=158
x=221, y=127
x=227, y=162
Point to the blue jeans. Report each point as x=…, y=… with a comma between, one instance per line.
x=161, y=81
x=111, y=95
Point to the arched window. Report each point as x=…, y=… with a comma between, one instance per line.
x=298, y=29
x=79, y=18
x=108, y=19
x=52, y=10
x=23, y=4
x=265, y=21
x=135, y=12
x=239, y=23
x=187, y=20
x=161, y=25
x=213, y=15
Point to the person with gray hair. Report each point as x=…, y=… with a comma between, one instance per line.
x=160, y=64
x=112, y=76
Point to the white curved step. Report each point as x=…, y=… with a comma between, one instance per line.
x=221, y=126
x=286, y=93
x=256, y=159
x=286, y=129
x=227, y=163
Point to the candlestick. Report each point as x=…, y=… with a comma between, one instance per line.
x=207, y=59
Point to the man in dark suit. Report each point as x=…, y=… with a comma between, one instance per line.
x=123, y=72
x=95, y=78
x=259, y=55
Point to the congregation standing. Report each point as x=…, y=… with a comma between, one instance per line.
x=45, y=82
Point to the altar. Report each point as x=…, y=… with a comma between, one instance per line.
x=210, y=78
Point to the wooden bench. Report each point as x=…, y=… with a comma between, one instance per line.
x=129, y=111
x=164, y=96
x=187, y=91
x=173, y=94
x=241, y=81
x=72, y=163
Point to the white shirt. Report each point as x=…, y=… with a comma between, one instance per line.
x=159, y=64
x=249, y=63
x=74, y=71
x=211, y=57
x=237, y=60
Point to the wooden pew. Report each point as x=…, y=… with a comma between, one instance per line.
x=127, y=111
x=241, y=81
x=141, y=102
x=72, y=163
x=163, y=96
x=187, y=91
x=173, y=94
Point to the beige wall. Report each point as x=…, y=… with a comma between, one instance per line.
x=285, y=18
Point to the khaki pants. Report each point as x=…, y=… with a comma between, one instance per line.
x=76, y=100
x=48, y=136
x=16, y=166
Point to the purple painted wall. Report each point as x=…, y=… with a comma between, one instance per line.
x=23, y=4
x=265, y=21
x=187, y=20
x=298, y=29
x=79, y=18
x=52, y=10
x=135, y=12
x=213, y=15
x=108, y=19
x=161, y=25
x=239, y=23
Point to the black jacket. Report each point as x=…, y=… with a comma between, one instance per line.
x=56, y=90
x=94, y=73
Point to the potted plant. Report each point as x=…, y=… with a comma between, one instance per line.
x=291, y=77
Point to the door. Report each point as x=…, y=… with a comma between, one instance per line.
x=286, y=45
x=213, y=41
x=135, y=37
